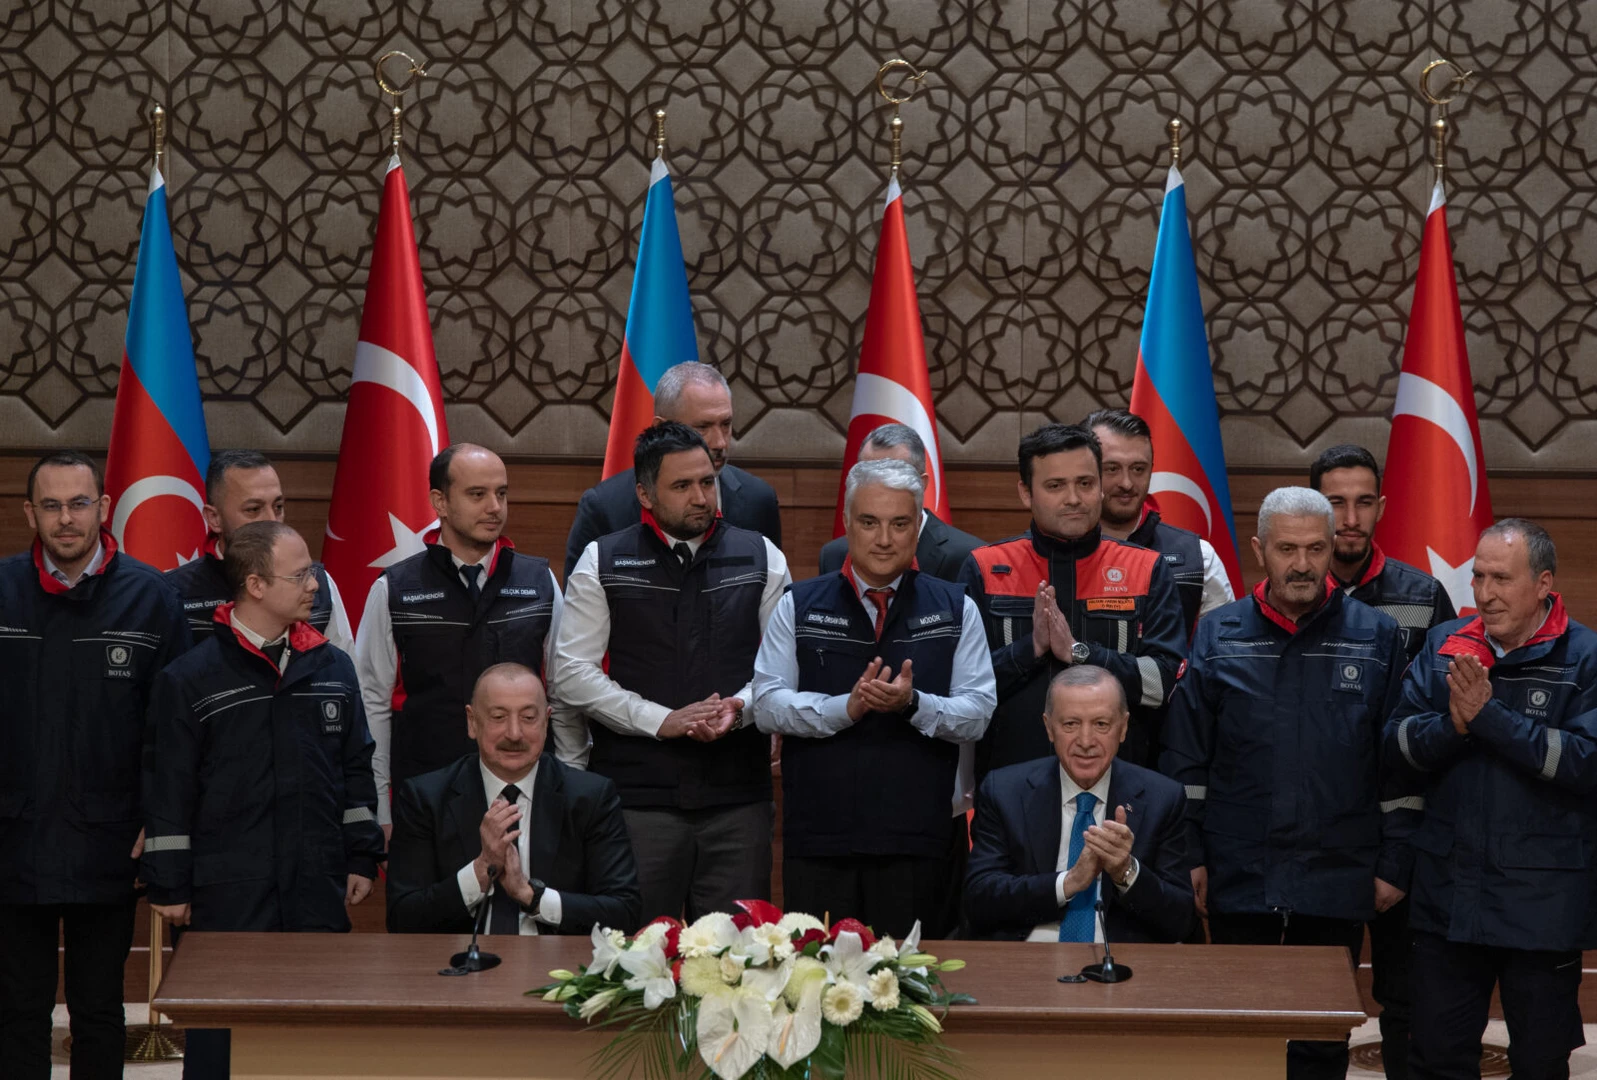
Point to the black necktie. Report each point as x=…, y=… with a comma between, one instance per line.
x=504, y=914
x=472, y=576
x=683, y=552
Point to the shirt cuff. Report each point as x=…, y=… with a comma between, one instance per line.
x=648, y=718
x=1131, y=878
x=470, y=892
x=1059, y=889
x=385, y=808
x=549, y=910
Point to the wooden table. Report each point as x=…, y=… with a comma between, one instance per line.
x=373, y=1005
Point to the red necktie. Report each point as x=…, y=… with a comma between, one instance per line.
x=880, y=598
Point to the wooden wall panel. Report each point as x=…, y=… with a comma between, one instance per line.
x=544, y=499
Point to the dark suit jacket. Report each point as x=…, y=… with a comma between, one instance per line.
x=612, y=505
x=577, y=842
x=1009, y=887
x=940, y=551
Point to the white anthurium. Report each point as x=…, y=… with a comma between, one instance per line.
x=796, y=1033
x=608, y=945
x=709, y=935
x=734, y=1030
x=651, y=973
x=768, y=982
x=847, y=961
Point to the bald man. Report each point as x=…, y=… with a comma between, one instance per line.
x=542, y=844
x=435, y=621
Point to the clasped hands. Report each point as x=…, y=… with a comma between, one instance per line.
x=1469, y=688
x=1050, y=630
x=703, y=721
x=876, y=691
x=499, y=831
x=1107, y=850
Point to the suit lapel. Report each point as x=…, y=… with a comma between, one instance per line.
x=543, y=831
x=1043, y=816
x=1125, y=790
x=929, y=549
x=467, y=804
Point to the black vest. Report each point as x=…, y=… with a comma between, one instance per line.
x=878, y=787
x=204, y=588
x=444, y=642
x=1182, y=557
x=1411, y=596
x=677, y=635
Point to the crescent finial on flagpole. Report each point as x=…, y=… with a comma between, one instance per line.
x=1442, y=100
x=896, y=125
x=417, y=71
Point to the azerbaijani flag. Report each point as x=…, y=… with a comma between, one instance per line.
x=155, y=468
x=1173, y=390
x=659, y=331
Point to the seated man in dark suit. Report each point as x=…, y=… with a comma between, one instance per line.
x=697, y=395
x=1051, y=836
x=940, y=549
x=543, y=845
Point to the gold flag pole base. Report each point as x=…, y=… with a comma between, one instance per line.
x=153, y=1042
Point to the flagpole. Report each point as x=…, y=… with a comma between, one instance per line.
x=1439, y=125
x=659, y=133
x=417, y=71
x=158, y=123
x=1174, y=127
x=896, y=125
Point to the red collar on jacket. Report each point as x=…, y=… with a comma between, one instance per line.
x=213, y=545
x=1371, y=572
x=669, y=541
x=302, y=636
x=54, y=587
x=1269, y=611
x=430, y=538
x=847, y=570
x=1470, y=639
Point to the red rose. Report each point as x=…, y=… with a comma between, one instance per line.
x=842, y=926
x=763, y=912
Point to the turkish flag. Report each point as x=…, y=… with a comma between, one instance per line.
x=893, y=384
x=394, y=424
x=1437, y=497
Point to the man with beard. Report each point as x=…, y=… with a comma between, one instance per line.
x=1275, y=731
x=438, y=619
x=656, y=653
x=1127, y=444
x=83, y=631
x=1349, y=477
x=241, y=486
x=697, y=395
x=1062, y=593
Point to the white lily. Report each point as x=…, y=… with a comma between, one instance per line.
x=795, y=1034
x=847, y=961
x=598, y=1003
x=911, y=943
x=651, y=973
x=607, y=949
x=734, y=1030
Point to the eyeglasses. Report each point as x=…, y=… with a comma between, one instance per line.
x=79, y=505
x=301, y=578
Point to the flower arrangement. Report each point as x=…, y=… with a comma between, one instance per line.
x=762, y=995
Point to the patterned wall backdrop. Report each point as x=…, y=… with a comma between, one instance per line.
x=1034, y=163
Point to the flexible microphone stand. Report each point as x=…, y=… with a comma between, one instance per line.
x=474, y=959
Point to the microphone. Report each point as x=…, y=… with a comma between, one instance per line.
x=1106, y=971
x=474, y=959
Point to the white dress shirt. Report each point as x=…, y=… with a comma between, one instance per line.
x=471, y=892
x=1497, y=646
x=377, y=668
x=90, y=567
x=339, y=632
x=272, y=649
x=584, y=691
x=961, y=716
x=1216, y=582
x=1068, y=791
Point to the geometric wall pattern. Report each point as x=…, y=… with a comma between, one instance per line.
x=1034, y=162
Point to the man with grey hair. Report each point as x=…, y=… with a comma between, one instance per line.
x=874, y=675
x=940, y=549
x=697, y=395
x=1498, y=723
x=1275, y=731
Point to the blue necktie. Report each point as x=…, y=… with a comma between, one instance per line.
x=1076, y=921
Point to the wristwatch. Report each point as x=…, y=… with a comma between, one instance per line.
x=1131, y=868
x=914, y=703
x=1080, y=653
x=538, y=889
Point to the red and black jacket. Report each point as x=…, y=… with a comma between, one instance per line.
x=1121, y=602
x=1412, y=597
